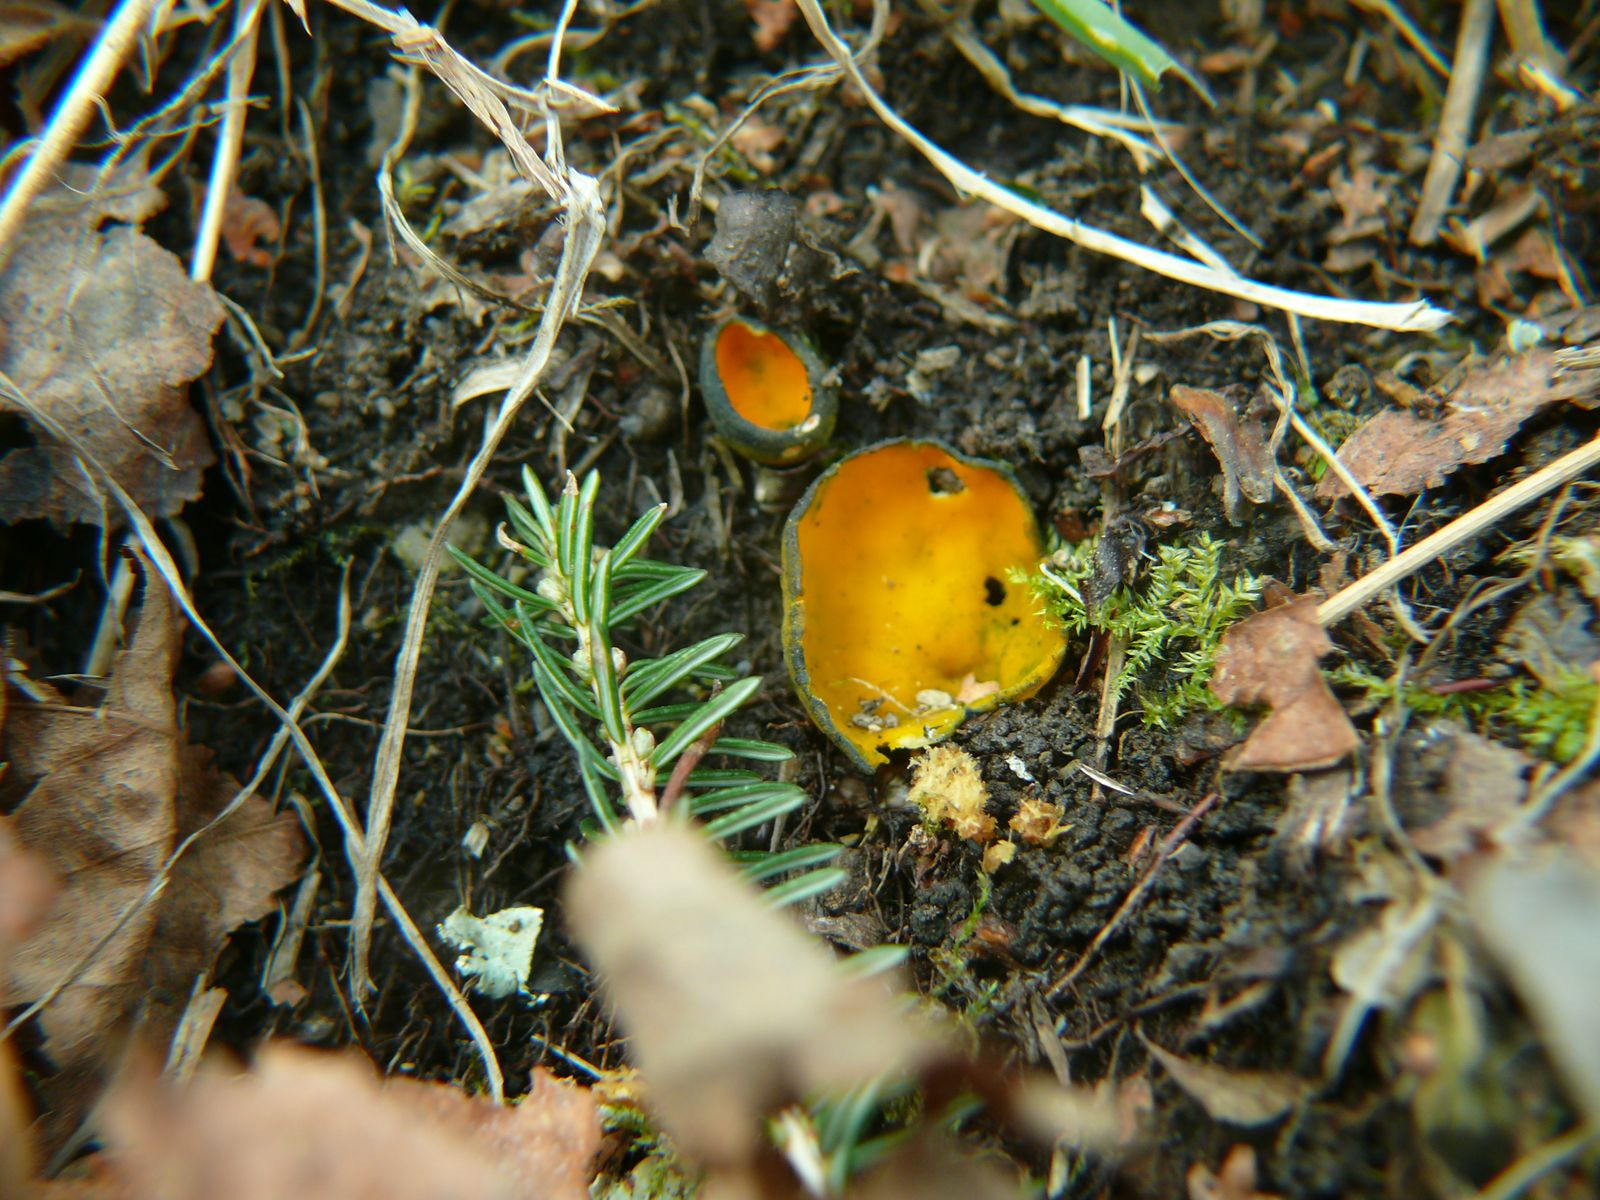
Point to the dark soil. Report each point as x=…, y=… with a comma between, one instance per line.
x=1237, y=910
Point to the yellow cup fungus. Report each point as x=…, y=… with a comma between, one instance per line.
x=764, y=392
x=899, y=616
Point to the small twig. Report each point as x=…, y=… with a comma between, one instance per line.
x=71, y=116
x=1569, y=466
x=1455, y=120
x=1164, y=851
x=1407, y=29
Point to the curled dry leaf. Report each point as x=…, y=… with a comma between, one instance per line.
x=1400, y=453
x=1246, y=459
x=250, y=229
x=108, y=794
x=323, y=1127
x=773, y=20
x=1538, y=912
x=1234, y=1180
x=731, y=1009
x=1483, y=786
x=1271, y=658
x=103, y=330
x=1247, y=1098
x=754, y=233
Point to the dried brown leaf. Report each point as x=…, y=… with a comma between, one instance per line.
x=26, y=890
x=1247, y=1098
x=1271, y=658
x=1247, y=464
x=1360, y=197
x=100, y=815
x=324, y=1127
x=109, y=792
x=247, y=223
x=103, y=330
x=773, y=20
x=226, y=879
x=731, y=1009
x=1400, y=453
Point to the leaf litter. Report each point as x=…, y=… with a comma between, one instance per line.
x=1271, y=658
x=103, y=330
x=107, y=793
x=1399, y=453
x=323, y=1126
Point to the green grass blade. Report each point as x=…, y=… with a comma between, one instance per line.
x=739, y=795
x=759, y=865
x=647, y=680
x=561, y=679
x=527, y=534
x=636, y=601
x=540, y=503
x=633, y=541
x=599, y=796
x=481, y=574
x=607, y=693
x=636, y=569
x=555, y=703
x=708, y=714
x=874, y=961
x=752, y=815
x=1117, y=41
x=579, y=563
x=702, y=778
x=804, y=887
x=752, y=749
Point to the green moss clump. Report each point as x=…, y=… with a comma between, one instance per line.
x=1174, y=620
x=1550, y=719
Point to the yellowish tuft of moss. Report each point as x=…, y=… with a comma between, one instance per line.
x=1038, y=822
x=998, y=855
x=948, y=787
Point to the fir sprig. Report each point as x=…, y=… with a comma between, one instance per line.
x=640, y=727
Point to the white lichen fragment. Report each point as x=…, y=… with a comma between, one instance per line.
x=1038, y=822
x=949, y=789
x=497, y=949
x=1020, y=768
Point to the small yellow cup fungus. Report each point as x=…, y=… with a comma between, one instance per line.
x=899, y=618
x=764, y=392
